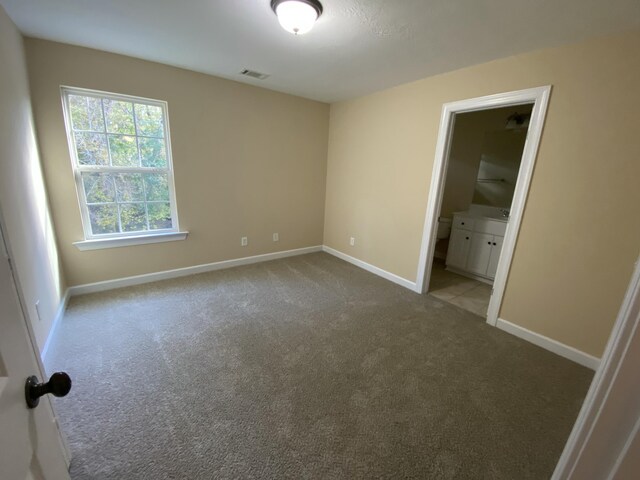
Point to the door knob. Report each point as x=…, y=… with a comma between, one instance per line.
x=58, y=385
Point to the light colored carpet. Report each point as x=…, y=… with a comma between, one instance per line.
x=306, y=367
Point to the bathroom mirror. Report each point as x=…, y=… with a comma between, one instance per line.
x=499, y=166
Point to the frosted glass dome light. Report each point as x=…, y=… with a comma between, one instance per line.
x=297, y=16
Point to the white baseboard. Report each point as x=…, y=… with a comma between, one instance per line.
x=183, y=272
x=554, y=346
x=547, y=343
x=56, y=320
x=392, y=277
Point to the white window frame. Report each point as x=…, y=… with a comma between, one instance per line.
x=95, y=241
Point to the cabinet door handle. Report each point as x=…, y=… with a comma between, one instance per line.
x=466, y=238
x=494, y=243
x=490, y=243
x=461, y=223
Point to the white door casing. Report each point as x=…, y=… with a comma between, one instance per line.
x=539, y=97
x=604, y=440
x=30, y=442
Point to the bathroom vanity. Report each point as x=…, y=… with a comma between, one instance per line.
x=475, y=245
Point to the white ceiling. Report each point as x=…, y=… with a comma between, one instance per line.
x=356, y=47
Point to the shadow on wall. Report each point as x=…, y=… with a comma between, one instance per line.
x=24, y=207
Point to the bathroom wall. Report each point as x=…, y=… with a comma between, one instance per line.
x=500, y=159
x=475, y=134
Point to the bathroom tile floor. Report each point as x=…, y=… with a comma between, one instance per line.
x=464, y=292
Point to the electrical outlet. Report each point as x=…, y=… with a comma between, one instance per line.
x=244, y=241
x=352, y=241
x=38, y=310
x=276, y=237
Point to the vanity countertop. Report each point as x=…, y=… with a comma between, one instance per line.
x=483, y=216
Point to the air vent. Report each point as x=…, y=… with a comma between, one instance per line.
x=251, y=73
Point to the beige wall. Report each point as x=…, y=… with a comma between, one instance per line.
x=23, y=199
x=247, y=161
x=580, y=234
x=252, y=162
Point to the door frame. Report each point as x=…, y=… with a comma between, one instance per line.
x=539, y=97
x=624, y=338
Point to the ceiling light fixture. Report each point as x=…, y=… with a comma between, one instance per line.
x=518, y=120
x=297, y=16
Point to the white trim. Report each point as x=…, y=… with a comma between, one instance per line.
x=625, y=450
x=547, y=343
x=392, y=277
x=615, y=355
x=96, y=244
x=78, y=169
x=62, y=306
x=183, y=272
x=539, y=97
x=550, y=344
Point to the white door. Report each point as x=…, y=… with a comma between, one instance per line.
x=458, y=248
x=495, y=256
x=30, y=443
x=479, y=253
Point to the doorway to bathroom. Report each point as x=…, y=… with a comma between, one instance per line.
x=483, y=166
x=484, y=161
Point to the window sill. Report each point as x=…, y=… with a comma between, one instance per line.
x=128, y=241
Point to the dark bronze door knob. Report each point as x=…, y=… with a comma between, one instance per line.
x=58, y=385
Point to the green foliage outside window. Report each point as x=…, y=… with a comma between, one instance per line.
x=122, y=135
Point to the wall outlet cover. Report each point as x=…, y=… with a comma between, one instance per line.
x=244, y=241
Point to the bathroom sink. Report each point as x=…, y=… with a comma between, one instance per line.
x=482, y=211
x=496, y=215
x=488, y=215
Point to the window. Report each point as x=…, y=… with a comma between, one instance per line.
x=121, y=159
